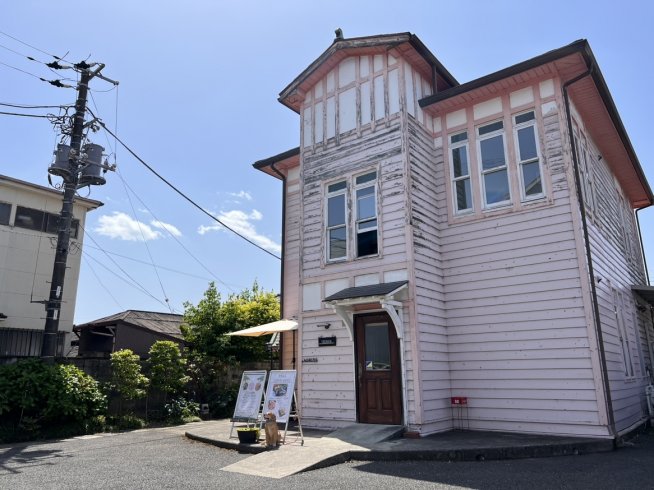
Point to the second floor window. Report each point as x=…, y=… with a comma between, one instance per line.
x=366, y=214
x=494, y=171
x=336, y=221
x=460, y=172
x=528, y=155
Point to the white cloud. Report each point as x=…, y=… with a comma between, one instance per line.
x=173, y=230
x=242, y=195
x=241, y=222
x=123, y=227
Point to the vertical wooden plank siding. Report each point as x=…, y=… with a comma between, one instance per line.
x=618, y=264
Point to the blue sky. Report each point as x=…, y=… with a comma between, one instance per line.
x=198, y=101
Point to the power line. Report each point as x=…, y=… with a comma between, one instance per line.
x=33, y=47
x=26, y=115
x=28, y=106
x=56, y=83
x=101, y=283
x=181, y=193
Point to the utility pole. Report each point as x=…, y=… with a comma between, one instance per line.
x=71, y=183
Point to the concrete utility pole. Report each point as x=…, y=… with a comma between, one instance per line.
x=71, y=182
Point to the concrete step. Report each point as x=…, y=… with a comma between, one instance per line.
x=367, y=434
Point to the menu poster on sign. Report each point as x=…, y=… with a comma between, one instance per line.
x=249, y=395
x=279, y=394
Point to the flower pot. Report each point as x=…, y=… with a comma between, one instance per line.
x=248, y=436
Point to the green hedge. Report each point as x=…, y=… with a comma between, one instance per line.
x=42, y=400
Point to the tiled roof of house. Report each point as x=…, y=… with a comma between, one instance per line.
x=165, y=323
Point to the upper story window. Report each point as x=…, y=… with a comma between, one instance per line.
x=528, y=155
x=461, y=189
x=336, y=221
x=366, y=214
x=35, y=219
x=5, y=212
x=494, y=171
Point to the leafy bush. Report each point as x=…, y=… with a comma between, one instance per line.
x=126, y=377
x=127, y=422
x=181, y=410
x=38, y=400
x=167, y=367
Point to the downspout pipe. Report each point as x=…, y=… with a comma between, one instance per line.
x=589, y=260
x=281, y=285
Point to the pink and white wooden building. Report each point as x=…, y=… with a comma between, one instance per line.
x=472, y=240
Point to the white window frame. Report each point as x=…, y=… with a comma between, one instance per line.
x=454, y=146
x=357, y=187
x=328, y=229
x=521, y=163
x=482, y=173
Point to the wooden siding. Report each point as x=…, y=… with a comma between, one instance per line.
x=618, y=265
x=427, y=220
x=517, y=327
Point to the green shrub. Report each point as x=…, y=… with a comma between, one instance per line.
x=128, y=422
x=181, y=410
x=167, y=367
x=43, y=400
x=126, y=377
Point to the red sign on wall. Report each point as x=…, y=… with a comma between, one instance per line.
x=459, y=400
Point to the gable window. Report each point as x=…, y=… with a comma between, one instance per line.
x=336, y=221
x=494, y=171
x=5, y=211
x=461, y=189
x=366, y=214
x=531, y=182
x=35, y=219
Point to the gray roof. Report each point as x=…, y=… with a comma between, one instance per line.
x=365, y=291
x=163, y=323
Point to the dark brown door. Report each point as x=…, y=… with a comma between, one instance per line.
x=379, y=386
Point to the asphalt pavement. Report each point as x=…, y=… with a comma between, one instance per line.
x=164, y=458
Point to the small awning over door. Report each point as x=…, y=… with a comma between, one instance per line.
x=386, y=294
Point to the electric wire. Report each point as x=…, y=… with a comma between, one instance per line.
x=97, y=278
x=134, y=281
x=145, y=243
x=174, y=237
x=169, y=184
x=51, y=66
x=29, y=106
x=27, y=115
x=56, y=83
x=33, y=47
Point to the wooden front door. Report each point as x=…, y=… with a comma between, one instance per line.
x=379, y=384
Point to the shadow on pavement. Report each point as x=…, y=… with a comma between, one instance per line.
x=17, y=458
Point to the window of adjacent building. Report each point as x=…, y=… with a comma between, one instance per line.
x=35, y=219
x=336, y=221
x=366, y=214
x=461, y=189
x=494, y=171
x=5, y=212
x=528, y=156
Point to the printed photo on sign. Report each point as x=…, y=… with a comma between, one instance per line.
x=279, y=395
x=249, y=395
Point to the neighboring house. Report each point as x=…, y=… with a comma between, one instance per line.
x=471, y=240
x=29, y=216
x=131, y=329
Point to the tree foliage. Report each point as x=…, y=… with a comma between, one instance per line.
x=207, y=323
x=126, y=377
x=167, y=367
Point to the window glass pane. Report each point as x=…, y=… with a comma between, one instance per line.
x=52, y=223
x=5, y=211
x=362, y=179
x=336, y=210
x=337, y=246
x=527, y=143
x=367, y=224
x=74, y=228
x=378, y=350
x=521, y=118
x=460, y=161
x=496, y=185
x=29, y=218
x=531, y=178
x=367, y=243
x=459, y=137
x=492, y=152
x=463, y=194
x=366, y=207
x=336, y=187
x=489, y=128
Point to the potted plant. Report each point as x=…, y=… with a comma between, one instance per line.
x=248, y=435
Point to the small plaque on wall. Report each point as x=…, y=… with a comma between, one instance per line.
x=327, y=341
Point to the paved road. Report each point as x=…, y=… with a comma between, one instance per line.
x=164, y=458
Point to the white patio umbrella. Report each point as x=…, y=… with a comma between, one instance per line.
x=267, y=328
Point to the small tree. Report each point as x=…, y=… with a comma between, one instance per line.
x=126, y=377
x=167, y=368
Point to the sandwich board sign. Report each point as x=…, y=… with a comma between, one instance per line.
x=280, y=394
x=250, y=392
